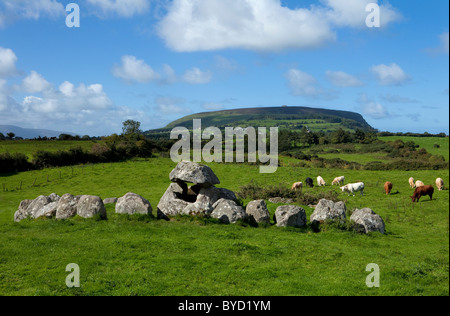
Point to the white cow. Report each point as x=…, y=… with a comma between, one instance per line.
x=297, y=186
x=411, y=183
x=419, y=184
x=352, y=188
x=338, y=181
x=321, y=181
x=440, y=184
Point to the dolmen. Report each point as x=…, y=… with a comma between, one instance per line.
x=193, y=193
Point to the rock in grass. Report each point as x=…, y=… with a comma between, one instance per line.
x=228, y=212
x=89, y=206
x=22, y=211
x=67, y=206
x=290, y=216
x=328, y=210
x=110, y=201
x=172, y=202
x=132, y=203
x=192, y=172
x=36, y=205
x=367, y=221
x=257, y=211
x=48, y=211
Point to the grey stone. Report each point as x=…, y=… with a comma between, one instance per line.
x=228, y=211
x=110, y=201
x=290, y=215
x=48, y=211
x=89, y=206
x=132, y=203
x=192, y=172
x=328, y=210
x=54, y=197
x=67, y=206
x=171, y=203
x=257, y=210
x=36, y=205
x=21, y=213
x=367, y=221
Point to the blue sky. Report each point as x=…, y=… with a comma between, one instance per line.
x=157, y=60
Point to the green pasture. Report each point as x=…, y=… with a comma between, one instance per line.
x=128, y=255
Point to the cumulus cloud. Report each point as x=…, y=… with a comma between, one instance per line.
x=390, y=75
x=373, y=109
x=197, y=76
x=306, y=85
x=7, y=63
x=443, y=47
x=134, y=70
x=171, y=106
x=11, y=10
x=260, y=25
x=204, y=25
x=120, y=8
x=35, y=83
x=342, y=79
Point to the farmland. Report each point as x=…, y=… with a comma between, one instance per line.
x=136, y=255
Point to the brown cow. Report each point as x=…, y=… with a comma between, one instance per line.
x=388, y=187
x=422, y=191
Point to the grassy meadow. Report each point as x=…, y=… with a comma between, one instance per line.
x=128, y=255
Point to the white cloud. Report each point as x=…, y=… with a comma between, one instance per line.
x=392, y=75
x=204, y=25
x=7, y=62
x=373, y=109
x=305, y=85
x=11, y=10
x=134, y=70
x=260, y=25
x=212, y=106
x=443, y=48
x=35, y=83
x=342, y=79
x=171, y=106
x=121, y=8
x=392, y=98
x=197, y=76
x=352, y=13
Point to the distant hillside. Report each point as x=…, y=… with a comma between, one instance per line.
x=29, y=133
x=292, y=118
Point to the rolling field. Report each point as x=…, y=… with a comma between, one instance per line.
x=427, y=143
x=128, y=255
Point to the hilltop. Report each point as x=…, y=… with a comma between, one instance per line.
x=292, y=118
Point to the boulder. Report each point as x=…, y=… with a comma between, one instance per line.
x=192, y=172
x=48, y=211
x=228, y=211
x=290, y=215
x=22, y=210
x=67, y=206
x=257, y=211
x=54, y=197
x=110, y=201
x=328, y=210
x=89, y=206
x=367, y=221
x=227, y=194
x=132, y=203
x=172, y=202
x=36, y=205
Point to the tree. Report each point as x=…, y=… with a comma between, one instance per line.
x=10, y=135
x=2, y=137
x=131, y=128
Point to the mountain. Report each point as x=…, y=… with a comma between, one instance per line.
x=29, y=133
x=285, y=117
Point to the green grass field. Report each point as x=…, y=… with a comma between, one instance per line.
x=143, y=256
x=427, y=143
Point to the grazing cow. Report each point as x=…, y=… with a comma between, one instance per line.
x=388, y=187
x=309, y=182
x=440, y=184
x=296, y=186
x=338, y=181
x=419, y=184
x=412, y=183
x=321, y=181
x=422, y=191
x=352, y=188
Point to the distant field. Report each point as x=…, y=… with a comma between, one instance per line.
x=29, y=147
x=427, y=143
x=138, y=256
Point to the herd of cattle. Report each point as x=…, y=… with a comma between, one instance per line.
x=420, y=188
